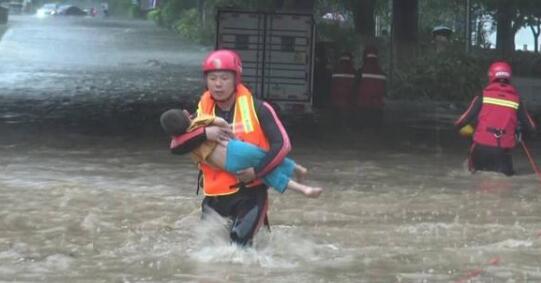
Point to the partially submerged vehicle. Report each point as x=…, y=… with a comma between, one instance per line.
x=48, y=9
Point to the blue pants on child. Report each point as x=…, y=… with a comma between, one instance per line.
x=242, y=155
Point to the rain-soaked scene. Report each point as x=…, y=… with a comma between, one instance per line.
x=374, y=97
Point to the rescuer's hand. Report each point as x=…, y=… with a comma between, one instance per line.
x=215, y=133
x=246, y=175
x=220, y=123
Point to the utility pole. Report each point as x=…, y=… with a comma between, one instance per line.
x=391, y=43
x=467, y=31
x=200, y=10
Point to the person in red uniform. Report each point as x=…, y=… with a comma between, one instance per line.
x=498, y=114
x=342, y=80
x=242, y=197
x=370, y=89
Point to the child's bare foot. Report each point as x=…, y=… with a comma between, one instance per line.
x=300, y=173
x=312, y=192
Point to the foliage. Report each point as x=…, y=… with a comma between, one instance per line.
x=449, y=75
x=343, y=38
x=533, y=20
x=510, y=17
x=156, y=16
x=481, y=19
x=185, y=27
x=526, y=64
x=183, y=16
x=441, y=12
x=120, y=7
x=171, y=12
x=135, y=12
x=212, y=5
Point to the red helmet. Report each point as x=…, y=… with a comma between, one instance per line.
x=225, y=60
x=499, y=70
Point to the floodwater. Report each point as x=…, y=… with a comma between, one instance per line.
x=82, y=204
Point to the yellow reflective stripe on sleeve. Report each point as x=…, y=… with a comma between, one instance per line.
x=245, y=114
x=500, y=102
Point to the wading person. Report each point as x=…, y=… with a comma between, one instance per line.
x=370, y=89
x=499, y=115
x=242, y=197
x=234, y=155
x=342, y=80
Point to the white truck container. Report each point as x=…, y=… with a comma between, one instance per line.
x=277, y=51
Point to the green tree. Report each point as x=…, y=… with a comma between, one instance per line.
x=449, y=13
x=533, y=20
x=510, y=16
x=363, y=17
x=481, y=19
x=405, y=35
x=305, y=5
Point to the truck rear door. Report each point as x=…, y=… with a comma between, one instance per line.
x=277, y=50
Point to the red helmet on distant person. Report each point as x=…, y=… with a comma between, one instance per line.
x=224, y=60
x=499, y=70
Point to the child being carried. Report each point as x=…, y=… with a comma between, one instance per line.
x=233, y=155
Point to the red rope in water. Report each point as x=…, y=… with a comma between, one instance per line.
x=477, y=271
x=532, y=161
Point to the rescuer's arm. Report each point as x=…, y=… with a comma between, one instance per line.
x=274, y=130
x=526, y=123
x=470, y=116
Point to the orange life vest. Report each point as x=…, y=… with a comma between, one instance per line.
x=246, y=128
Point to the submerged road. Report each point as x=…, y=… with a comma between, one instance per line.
x=93, y=70
x=82, y=200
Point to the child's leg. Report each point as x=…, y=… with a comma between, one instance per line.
x=241, y=155
x=280, y=176
x=311, y=192
x=300, y=173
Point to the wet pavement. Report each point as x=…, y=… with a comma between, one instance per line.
x=93, y=70
x=90, y=193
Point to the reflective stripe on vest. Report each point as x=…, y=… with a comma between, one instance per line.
x=244, y=107
x=373, y=76
x=246, y=127
x=500, y=102
x=344, y=75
